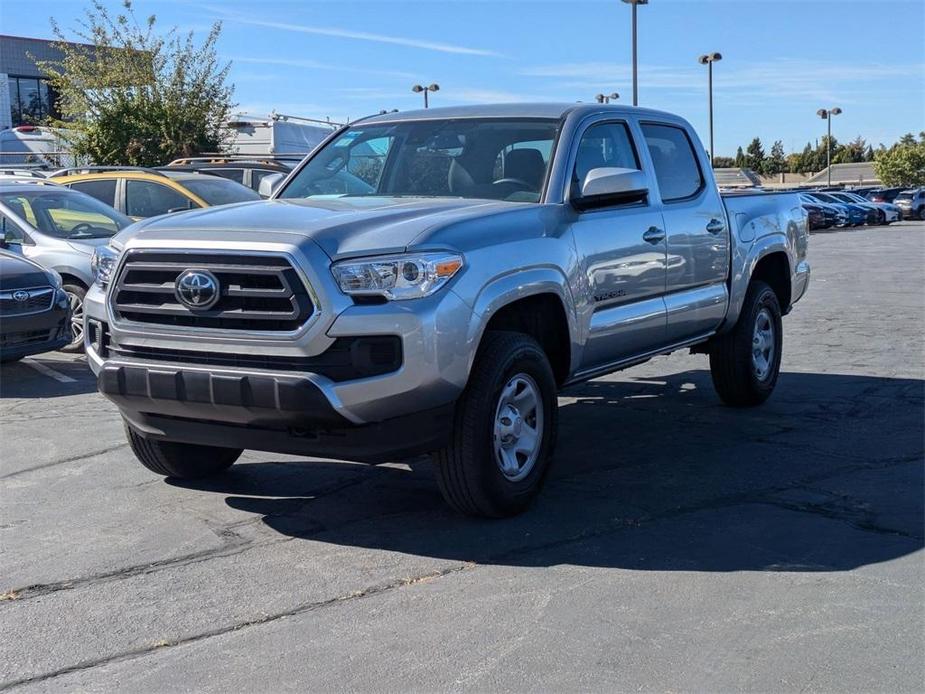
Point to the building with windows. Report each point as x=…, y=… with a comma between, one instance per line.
x=25, y=95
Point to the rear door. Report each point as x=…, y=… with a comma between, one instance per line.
x=697, y=237
x=622, y=250
x=149, y=199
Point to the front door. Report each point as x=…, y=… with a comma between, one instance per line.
x=623, y=251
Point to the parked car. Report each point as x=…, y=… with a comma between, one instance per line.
x=816, y=216
x=874, y=214
x=911, y=203
x=245, y=172
x=59, y=229
x=140, y=193
x=835, y=215
x=513, y=250
x=857, y=215
x=34, y=309
x=886, y=212
x=883, y=194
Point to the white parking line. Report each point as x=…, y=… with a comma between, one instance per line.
x=48, y=371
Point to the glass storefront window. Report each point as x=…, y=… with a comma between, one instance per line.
x=30, y=100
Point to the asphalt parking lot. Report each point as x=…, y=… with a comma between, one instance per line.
x=678, y=545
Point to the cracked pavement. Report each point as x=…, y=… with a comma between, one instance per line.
x=678, y=544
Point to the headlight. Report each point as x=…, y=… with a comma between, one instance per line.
x=397, y=277
x=102, y=263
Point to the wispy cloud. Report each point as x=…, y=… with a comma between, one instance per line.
x=318, y=65
x=784, y=78
x=337, y=32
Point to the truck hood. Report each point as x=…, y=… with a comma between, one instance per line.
x=341, y=227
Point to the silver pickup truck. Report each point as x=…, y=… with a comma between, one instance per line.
x=426, y=282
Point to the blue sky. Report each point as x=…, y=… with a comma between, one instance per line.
x=783, y=60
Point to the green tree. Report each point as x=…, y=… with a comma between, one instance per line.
x=134, y=96
x=777, y=162
x=740, y=158
x=903, y=164
x=756, y=160
x=723, y=162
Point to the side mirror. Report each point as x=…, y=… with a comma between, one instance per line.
x=269, y=184
x=610, y=185
x=8, y=238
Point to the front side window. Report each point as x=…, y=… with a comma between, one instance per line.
x=147, y=199
x=65, y=214
x=498, y=159
x=219, y=191
x=603, y=145
x=103, y=189
x=675, y=162
x=236, y=175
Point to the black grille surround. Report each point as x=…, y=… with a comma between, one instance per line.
x=258, y=292
x=347, y=359
x=38, y=299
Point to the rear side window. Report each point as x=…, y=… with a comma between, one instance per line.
x=236, y=175
x=103, y=189
x=146, y=199
x=675, y=162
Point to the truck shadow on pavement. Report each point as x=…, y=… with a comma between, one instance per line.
x=650, y=474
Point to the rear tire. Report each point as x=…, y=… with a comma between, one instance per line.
x=185, y=461
x=745, y=362
x=504, y=430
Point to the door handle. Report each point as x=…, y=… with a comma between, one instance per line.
x=715, y=226
x=653, y=235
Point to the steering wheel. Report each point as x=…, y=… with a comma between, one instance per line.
x=523, y=185
x=83, y=226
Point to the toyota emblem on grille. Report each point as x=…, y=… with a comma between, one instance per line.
x=21, y=296
x=197, y=289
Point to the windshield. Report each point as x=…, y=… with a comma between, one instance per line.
x=219, y=191
x=498, y=159
x=903, y=196
x=827, y=198
x=63, y=213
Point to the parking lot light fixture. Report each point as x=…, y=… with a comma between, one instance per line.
x=634, y=3
x=826, y=115
x=429, y=88
x=606, y=98
x=708, y=60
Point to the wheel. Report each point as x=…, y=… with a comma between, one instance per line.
x=504, y=430
x=185, y=461
x=75, y=296
x=921, y=214
x=745, y=362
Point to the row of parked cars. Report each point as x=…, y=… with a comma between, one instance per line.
x=848, y=208
x=53, y=222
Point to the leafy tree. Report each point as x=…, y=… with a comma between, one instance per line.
x=756, y=160
x=903, y=164
x=133, y=96
x=723, y=162
x=777, y=162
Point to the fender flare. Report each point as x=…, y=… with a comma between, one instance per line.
x=747, y=260
x=513, y=286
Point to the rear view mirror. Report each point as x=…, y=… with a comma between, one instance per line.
x=610, y=185
x=269, y=184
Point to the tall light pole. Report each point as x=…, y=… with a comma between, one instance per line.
x=606, y=98
x=429, y=88
x=826, y=115
x=634, y=3
x=708, y=60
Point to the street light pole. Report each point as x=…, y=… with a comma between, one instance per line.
x=826, y=114
x=634, y=3
x=708, y=60
x=429, y=88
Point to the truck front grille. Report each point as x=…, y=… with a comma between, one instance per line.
x=256, y=292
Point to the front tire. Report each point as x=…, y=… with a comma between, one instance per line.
x=504, y=430
x=185, y=461
x=745, y=362
x=75, y=296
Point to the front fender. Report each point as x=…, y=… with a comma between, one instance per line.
x=513, y=286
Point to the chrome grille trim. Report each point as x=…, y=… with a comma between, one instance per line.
x=40, y=300
x=260, y=292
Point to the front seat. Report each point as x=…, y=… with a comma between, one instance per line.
x=526, y=165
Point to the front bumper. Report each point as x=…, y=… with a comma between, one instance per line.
x=800, y=282
x=37, y=332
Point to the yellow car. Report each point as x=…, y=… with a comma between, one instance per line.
x=139, y=193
